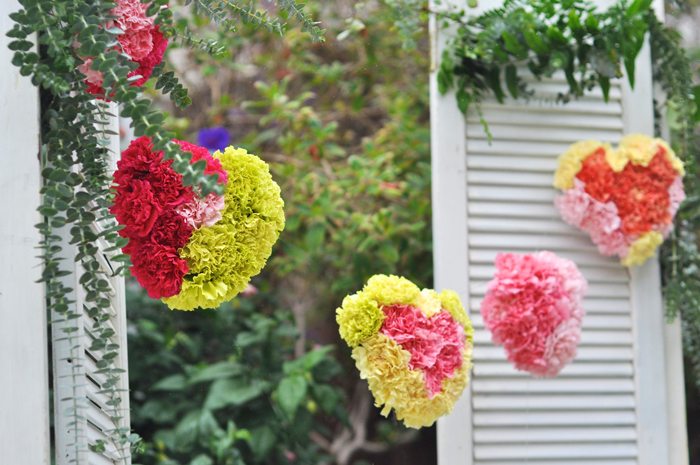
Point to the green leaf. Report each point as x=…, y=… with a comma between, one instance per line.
x=201, y=460
x=463, y=100
x=216, y=371
x=262, y=440
x=171, y=383
x=290, y=393
x=512, y=80
x=315, y=236
x=233, y=392
x=307, y=361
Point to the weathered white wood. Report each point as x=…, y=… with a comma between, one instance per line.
x=75, y=359
x=24, y=396
x=449, y=200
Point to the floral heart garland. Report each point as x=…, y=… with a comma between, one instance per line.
x=192, y=250
x=533, y=309
x=140, y=39
x=413, y=347
x=625, y=199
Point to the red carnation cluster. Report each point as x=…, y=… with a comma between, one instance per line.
x=149, y=193
x=141, y=40
x=641, y=194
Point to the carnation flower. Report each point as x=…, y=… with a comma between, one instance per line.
x=140, y=39
x=138, y=208
x=533, y=309
x=619, y=196
x=160, y=214
x=158, y=268
x=412, y=347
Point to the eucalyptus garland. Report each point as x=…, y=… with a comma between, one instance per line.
x=75, y=152
x=495, y=53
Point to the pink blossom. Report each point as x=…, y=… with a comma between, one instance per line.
x=203, y=211
x=530, y=297
x=435, y=344
x=137, y=43
x=92, y=76
x=600, y=220
x=676, y=194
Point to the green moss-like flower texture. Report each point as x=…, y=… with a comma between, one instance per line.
x=224, y=257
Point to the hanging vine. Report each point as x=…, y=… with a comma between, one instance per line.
x=75, y=154
x=497, y=53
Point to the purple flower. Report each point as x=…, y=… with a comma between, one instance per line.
x=216, y=138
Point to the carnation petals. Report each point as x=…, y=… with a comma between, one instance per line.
x=188, y=249
x=413, y=347
x=625, y=199
x=533, y=308
x=141, y=40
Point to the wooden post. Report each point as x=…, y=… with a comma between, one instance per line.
x=24, y=396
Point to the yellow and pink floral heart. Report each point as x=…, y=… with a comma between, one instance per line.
x=624, y=198
x=413, y=347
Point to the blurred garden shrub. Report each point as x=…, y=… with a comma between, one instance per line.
x=344, y=125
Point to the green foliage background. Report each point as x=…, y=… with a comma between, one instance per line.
x=344, y=125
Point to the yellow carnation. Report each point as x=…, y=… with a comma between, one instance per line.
x=384, y=364
x=428, y=302
x=222, y=258
x=570, y=162
x=387, y=290
x=451, y=302
x=643, y=248
x=672, y=157
x=359, y=318
x=638, y=148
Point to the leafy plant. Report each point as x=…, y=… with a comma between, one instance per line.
x=75, y=159
x=224, y=387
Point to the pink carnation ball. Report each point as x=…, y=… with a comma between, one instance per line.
x=533, y=308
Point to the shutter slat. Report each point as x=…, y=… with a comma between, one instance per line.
x=553, y=385
x=569, y=402
x=529, y=133
x=550, y=418
x=557, y=451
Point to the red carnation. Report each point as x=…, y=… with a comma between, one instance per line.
x=171, y=229
x=159, y=269
x=200, y=153
x=148, y=63
x=137, y=208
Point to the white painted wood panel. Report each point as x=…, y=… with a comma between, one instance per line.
x=24, y=389
x=73, y=440
x=613, y=405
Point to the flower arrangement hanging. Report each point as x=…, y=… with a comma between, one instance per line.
x=192, y=250
x=625, y=199
x=413, y=347
x=533, y=308
x=140, y=39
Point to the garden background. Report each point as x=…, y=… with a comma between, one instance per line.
x=345, y=126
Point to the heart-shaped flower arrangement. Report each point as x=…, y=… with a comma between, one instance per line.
x=413, y=347
x=188, y=249
x=625, y=199
x=533, y=309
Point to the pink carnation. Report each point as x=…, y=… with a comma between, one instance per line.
x=600, y=220
x=677, y=196
x=435, y=344
x=91, y=76
x=533, y=308
x=202, y=211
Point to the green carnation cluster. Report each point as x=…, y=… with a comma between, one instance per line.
x=222, y=258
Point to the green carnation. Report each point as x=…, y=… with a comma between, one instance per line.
x=222, y=258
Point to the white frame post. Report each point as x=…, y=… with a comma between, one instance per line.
x=24, y=389
x=449, y=200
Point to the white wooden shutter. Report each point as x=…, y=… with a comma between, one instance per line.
x=74, y=440
x=24, y=385
x=618, y=402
